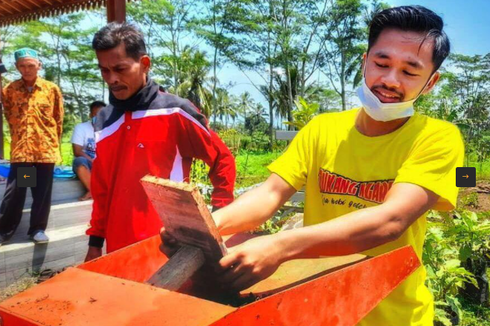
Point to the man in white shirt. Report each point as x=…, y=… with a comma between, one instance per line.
x=83, y=140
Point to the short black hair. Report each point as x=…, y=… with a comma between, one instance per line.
x=113, y=34
x=415, y=19
x=96, y=104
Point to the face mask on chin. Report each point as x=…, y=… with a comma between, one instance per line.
x=380, y=111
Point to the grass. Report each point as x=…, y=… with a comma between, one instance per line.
x=66, y=152
x=252, y=167
x=482, y=170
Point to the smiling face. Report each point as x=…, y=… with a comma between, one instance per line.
x=124, y=75
x=28, y=68
x=398, y=66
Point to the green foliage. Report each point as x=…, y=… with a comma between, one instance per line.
x=303, y=114
x=454, y=242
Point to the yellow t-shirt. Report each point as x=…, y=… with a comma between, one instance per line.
x=343, y=171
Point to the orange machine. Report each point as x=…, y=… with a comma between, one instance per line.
x=112, y=291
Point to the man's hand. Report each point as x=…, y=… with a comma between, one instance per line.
x=251, y=262
x=169, y=245
x=93, y=253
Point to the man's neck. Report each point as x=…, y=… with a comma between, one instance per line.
x=372, y=128
x=30, y=83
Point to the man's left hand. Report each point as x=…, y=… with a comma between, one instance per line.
x=251, y=262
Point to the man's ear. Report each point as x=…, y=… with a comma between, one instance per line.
x=432, y=82
x=146, y=62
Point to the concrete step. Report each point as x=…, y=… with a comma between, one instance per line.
x=64, y=190
x=67, y=247
x=61, y=215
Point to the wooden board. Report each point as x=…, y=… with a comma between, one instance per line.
x=185, y=215
x=295, y=272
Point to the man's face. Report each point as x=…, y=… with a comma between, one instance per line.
x=124, y=75
x=95, y=110
x=398, y=67
x=28, y=68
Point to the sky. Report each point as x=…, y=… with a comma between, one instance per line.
x=467, y=24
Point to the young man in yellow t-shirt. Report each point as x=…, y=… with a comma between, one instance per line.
x=371, y=174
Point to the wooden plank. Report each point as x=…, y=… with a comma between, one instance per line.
x=185, y=215
x=295, y=272
x=183, y=264
x=116, y=11
x=285, y=135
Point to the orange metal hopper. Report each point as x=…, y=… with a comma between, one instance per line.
x=110, y=291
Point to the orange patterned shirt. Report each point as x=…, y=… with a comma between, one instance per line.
x=35, y=119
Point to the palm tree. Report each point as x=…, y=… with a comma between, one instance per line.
x=194, y=69
x=244, y=103
x=225, y=106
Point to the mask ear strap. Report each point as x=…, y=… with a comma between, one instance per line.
x=425, y=86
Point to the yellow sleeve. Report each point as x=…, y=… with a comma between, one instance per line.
x=293, y=164
x=432, y=165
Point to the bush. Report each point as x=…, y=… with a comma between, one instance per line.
x=456, y=250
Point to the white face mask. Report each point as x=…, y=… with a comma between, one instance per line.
x=380, y=111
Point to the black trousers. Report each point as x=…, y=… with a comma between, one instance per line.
x=14, y=199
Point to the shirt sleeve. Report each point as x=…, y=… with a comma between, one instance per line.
x=77, y=137
x=293, y=164
x=198, y=141
x=98, y=222
x=432, y=165
x=6, y=103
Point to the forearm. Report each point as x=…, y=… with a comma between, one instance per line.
x=78, y=152
x=254, y=207
x=352, y=233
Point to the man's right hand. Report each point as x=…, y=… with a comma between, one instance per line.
x=93, y=253
x=169, y=245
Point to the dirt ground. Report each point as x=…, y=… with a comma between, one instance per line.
x=476, y=199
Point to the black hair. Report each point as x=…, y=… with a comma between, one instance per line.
x=113, y=34
x=96, y=104
x=416, y=19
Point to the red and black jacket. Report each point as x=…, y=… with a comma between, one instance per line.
x=154, y=133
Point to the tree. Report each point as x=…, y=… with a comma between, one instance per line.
x=193, y=85
x=212, y=28
x=166, y=26
x=342, y=59
x=225, y=106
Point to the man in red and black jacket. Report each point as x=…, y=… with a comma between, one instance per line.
x=143, y=131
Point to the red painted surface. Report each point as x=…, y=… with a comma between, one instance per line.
x=341, y=298
x=110, y=291
x=11, y=319
x=77, y=297
x=137, y=262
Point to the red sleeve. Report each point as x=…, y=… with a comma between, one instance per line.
x=200, y=142
x=98, y=222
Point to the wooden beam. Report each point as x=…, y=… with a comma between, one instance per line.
x=187, y=219
x=116, y=11
x=180, y=268
x=23, y=5
x=185, y=215
x=34, y=3
x=15, y=8
x=3, y=8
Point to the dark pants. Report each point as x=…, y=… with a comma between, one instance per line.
x=14, y=199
